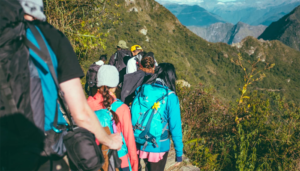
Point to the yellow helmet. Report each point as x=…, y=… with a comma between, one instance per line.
x=136, y=47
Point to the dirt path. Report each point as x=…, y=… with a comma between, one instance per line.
x=184, y=166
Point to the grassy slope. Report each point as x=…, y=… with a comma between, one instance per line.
x=195, y=59
x=286, y=30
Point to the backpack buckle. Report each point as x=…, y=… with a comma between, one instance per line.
x=138, y=126
x=154, y=142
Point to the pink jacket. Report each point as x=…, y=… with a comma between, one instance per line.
x=123, y=126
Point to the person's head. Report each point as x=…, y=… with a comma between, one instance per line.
x=103, y=58
x=136, y=49
x=122, y=45
x=107, y=81
x=33, y=9
x=148, y=63
x=166, y=72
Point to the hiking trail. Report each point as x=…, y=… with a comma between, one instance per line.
x=184, y=166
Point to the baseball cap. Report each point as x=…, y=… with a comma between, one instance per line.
x=34, y=8
x=107, y=75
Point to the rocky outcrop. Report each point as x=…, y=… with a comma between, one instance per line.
x=227, y=33
x=183, y=83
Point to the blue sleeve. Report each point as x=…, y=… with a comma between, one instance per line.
x=175, y=125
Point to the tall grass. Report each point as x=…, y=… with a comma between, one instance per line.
x=260, y=131
x=84, y=22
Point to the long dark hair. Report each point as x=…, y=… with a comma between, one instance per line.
x=107, y=101
x=166, y=72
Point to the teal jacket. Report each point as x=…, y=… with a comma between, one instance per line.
x=173, y=118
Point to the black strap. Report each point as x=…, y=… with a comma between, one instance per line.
x=45, y=56
x=6, y=92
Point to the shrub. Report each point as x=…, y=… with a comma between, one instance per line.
x=84, y=22
x=260, y=131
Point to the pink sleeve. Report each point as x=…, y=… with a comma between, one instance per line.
x=95, y=103
x=91, y=103
x=126, y=128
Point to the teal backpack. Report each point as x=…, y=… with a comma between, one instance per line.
x=105, y=118
x=147, y=112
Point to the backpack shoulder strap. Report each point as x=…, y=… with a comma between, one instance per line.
x=45, y=55
x=118, y=103
x=116, y=54
x=115, y=58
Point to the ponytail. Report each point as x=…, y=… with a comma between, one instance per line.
x=107, y=101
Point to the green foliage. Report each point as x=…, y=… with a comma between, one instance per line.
x=260, y=131
x=82, y=21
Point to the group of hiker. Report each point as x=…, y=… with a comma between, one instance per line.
x=146, y=89
x=131, y=113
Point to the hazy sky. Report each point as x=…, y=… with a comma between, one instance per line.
x=212, y=3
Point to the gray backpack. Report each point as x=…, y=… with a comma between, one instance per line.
x=91, y=77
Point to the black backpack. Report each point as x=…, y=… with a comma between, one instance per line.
x=91, y=78
x=119, y=59
x=131, y=82
x=22, y=138
x=15, y=78
x=16, y=116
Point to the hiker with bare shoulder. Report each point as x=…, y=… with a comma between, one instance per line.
x=39, y=73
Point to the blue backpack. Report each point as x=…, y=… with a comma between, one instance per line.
x=105, y=118
x=147, y=110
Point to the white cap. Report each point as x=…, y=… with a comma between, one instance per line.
x=34, y=8
x=108, y=75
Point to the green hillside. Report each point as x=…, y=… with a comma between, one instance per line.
x=196, y=60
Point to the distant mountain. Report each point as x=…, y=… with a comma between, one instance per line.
x=227, y=32
x=193, y=15
x=287, y=30
x=254, y=15
x=197, y=61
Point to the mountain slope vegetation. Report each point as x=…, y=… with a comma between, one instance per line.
x=287, y=30
x=149, y=24
x=227, y=32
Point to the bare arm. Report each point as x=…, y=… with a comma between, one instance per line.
x=83, y=114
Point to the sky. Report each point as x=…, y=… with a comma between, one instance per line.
x=214, y=3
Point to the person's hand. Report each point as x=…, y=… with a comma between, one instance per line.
x=116, y=142
x=177, y=164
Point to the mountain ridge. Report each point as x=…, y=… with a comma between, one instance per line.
x=255, y=16
x=286, y=30
x=193, y=15
x=227, y=32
